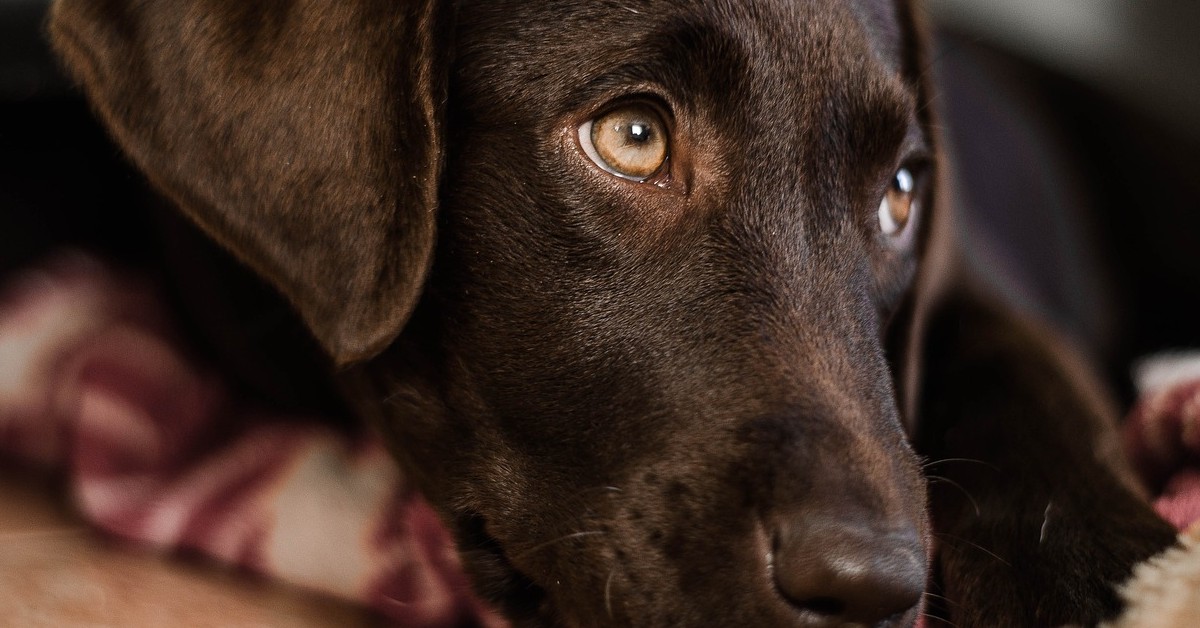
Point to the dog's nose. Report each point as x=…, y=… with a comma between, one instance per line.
x=841, y=573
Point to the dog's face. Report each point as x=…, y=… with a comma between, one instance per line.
x=661, y=289
x=647, y=378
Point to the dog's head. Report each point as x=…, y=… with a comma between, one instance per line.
x=618, y=276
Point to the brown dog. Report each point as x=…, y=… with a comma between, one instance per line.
x=640, y=292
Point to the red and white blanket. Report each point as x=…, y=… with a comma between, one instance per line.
x=93, y=382
x=1162, y=434
x=157, y=452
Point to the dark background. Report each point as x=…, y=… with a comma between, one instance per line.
x=1074, y=127
x=1076, y=130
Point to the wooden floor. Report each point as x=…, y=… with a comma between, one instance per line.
x=54, y=571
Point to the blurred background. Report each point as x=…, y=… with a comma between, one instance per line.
x=1074, y=126
x=1075, y=129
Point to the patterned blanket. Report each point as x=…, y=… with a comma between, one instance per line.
x=94, y=382
x=1162, y=434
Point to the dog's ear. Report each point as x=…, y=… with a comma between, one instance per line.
x=304, y=136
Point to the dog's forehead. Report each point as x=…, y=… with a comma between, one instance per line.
x=541, y=51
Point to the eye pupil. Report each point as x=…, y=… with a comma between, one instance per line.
x=639, y=132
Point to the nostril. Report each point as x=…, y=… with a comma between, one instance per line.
x=847, y=573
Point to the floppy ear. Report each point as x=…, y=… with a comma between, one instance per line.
x=304, y=136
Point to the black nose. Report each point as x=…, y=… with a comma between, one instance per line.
x=841, y=573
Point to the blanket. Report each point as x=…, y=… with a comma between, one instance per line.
x=94, y=381
x=1162, y=439
x=1162, y=434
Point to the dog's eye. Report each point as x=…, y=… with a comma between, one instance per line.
x=630, y=142
x=899, y=203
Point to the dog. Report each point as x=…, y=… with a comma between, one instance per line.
x=658, y=302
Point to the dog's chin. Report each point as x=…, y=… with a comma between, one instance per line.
x=524, y=602
x=495, y=578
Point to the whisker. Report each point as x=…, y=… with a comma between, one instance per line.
x=566, y=537
x=932, y=463
x=939, y=620
x=942, y=598
x=938, y=478
x=951, y=537
x=599, y=489
x=608, y=591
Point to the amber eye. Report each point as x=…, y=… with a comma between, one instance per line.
x=630, y=141
x=899, y=203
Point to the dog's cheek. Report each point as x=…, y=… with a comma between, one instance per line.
x=457, y=463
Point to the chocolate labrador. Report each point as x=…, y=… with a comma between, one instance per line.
x=644, y=294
